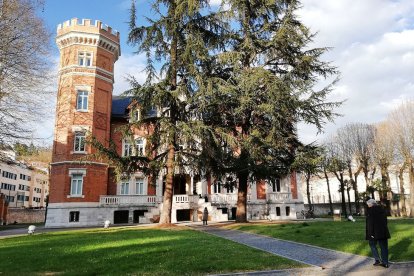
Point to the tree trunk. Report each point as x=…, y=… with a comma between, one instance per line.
x=340, y=178
x=355, y=187
x=169, y=182
x=308, y=175
x=241, y=212
x=349, y=200
x=411, y=175
x=402, y=190
x=168, y=193
x=329, y=191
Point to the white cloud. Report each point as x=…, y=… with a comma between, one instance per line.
x=128, y=65
x=374, y=51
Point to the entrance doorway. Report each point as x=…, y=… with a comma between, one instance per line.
x=184, y=215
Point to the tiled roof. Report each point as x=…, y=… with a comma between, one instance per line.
x=120, y=106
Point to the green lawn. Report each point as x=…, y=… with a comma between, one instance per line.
x=343, y=236
x=131, y=251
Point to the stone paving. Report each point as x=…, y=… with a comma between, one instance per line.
x=322, y=261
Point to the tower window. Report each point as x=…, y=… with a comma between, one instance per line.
x=79, y=143
x=76, y=184
x=85, y=59
x=82, y=101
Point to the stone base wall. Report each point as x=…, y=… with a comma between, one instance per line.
x=26, y=215
x=322, y=209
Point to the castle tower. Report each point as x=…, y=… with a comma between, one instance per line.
x=88, y=51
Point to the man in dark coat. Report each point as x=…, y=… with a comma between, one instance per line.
x=377, y=232
x=205, y=216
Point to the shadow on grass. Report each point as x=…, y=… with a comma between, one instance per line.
x=399, y=249
x=137, y=252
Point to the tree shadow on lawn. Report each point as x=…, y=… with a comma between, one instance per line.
x=156, y=252
x=398, y=250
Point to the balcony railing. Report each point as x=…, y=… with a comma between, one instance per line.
x=230, y=199
x=144, y=200
x=185, y=199
x=277, y=197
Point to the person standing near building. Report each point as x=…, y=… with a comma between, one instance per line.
x=377, y=232
x=205, y=216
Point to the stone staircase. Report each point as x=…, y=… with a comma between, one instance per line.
x=152, y=216
x=215, y=214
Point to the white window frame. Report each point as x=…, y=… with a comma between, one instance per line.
x=84, y=58
x=83, y=104
x=80, y=141
x=135, y=115
x=140, y=148
x=139, y=186
x=124, y=188
x=76, y=178
x=126, y=148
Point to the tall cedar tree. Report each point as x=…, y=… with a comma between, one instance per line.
x=180, y=39
x=269, y=72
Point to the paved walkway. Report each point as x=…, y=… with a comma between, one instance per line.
x=322, y=261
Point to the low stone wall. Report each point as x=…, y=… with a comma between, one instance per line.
x=322, y=209
x=26, y=215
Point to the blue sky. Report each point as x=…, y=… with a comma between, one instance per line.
x=114, y=13
x=372, y=45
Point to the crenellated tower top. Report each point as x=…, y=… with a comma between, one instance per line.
x=88, y=32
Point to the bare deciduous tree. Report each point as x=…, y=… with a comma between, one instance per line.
x=384, y=155
x=24, y=68
x=402, y=123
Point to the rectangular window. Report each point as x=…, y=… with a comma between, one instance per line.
x=9, y=198
x=74, y=216
x=20, y=197
x=26, y=198
x=79, y=143
x=135, y=115
x=85, y=59
x=139, y=144
x=124, y=188
x=76, y=184
x=276, y=185
x=127, y=148
x=82, y=101
x=278, y=211
x=287, y=211
x=139, y=186
x=217, y=187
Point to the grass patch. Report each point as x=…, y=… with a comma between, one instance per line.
x=342, y=236
x=126, y=251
